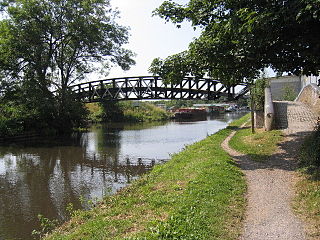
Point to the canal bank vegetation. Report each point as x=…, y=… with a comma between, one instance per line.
x=198, y=194
x=127, y=111
x=21, y=114
x=308, y=188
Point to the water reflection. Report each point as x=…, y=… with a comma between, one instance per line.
x=44, y=176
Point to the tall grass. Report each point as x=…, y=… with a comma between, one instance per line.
x=307, y=202
x=310, y=153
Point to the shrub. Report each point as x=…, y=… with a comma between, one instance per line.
x=288, y=93
x=130, y=112
x=258, y=93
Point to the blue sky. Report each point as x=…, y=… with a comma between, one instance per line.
x=150, y=36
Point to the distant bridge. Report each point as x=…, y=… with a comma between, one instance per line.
x=153, y=87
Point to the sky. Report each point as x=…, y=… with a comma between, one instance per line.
x=150, y=36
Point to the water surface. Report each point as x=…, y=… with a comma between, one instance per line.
x=43, y=176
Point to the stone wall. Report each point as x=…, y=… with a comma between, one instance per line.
x=310, y=95
x=305, y=80
x=279, y=85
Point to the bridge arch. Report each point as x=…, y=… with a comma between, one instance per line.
x=153, y=87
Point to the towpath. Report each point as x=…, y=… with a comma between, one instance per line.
x=269, y=214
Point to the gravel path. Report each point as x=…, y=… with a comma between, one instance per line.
x=270, y=185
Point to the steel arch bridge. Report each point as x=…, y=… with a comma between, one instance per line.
x=153, y=87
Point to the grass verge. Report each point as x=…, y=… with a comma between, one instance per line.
x=198, y=194
x=307, y=202
x=258, y=146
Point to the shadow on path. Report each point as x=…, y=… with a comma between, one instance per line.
x=269, y=215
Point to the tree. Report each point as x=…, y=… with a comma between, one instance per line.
x=46, y=45
x=240, y=38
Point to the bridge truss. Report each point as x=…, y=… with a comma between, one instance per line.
x=153, y=87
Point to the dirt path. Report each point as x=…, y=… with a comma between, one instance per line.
x=270, y=185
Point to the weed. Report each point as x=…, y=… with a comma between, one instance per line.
x=46, y=225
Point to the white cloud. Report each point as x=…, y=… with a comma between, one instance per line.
x=150, y=37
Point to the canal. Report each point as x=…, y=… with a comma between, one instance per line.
x=44, y=176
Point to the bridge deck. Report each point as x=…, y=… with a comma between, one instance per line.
x=153, y=87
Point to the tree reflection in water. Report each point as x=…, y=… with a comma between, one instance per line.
x=43, y=176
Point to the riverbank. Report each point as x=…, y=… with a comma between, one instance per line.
x=198, y=194
x=128, y=111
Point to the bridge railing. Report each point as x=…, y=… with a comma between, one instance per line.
x=153, y=87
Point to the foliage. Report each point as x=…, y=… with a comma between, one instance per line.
x=22, y=113
x=10, y=120
x=144, y=112
x=132, y=112
x=112, y=111
x=46, y=45
x=236, y=41
x=198, y=194
x=56, y=42
x=47, y=226
x=288, y=93
x=95, y=112
x=257, y=91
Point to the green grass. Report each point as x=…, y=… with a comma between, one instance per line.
x=307, y=202
x=198, y=194
x=258, y=146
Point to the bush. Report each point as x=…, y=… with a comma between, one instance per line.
x=258, y=93
x=133, y=112
x=95, y=112
x=22, y=113
x=288, y=93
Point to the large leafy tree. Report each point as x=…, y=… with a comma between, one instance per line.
x=240, y=38
x=46, y=45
